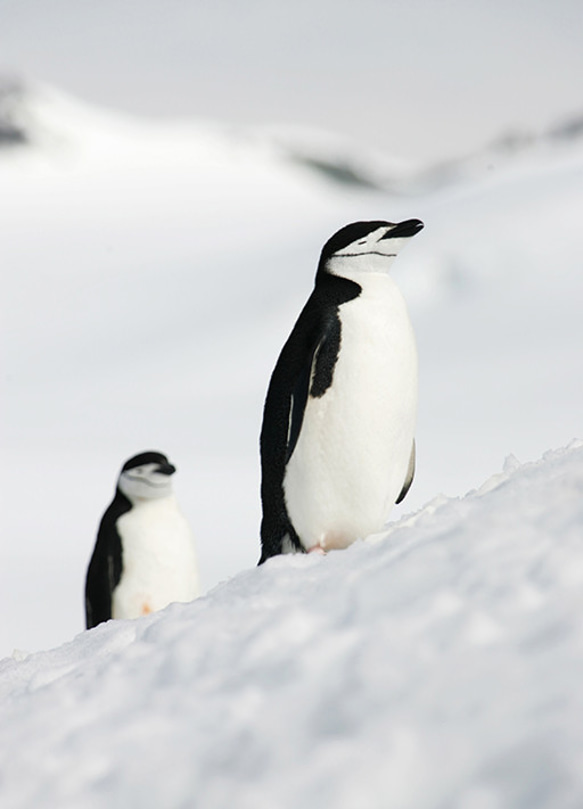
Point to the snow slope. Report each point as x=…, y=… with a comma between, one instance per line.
x=438, y=665
x=150, y=274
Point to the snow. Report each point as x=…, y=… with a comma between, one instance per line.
x=436, y=665
x=151, y=273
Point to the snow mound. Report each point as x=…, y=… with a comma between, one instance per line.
x=436, y=666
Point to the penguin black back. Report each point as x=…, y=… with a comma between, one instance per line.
x=305, y=367
x=105, y=567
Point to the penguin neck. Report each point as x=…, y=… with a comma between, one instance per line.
x=135, y=501
x=337, y=288
x=121, y=500
x=357, y=268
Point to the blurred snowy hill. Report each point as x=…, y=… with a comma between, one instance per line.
x=152, y=270
x=39, y=116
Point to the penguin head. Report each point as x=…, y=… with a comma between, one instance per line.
x=363, y=247
x=146, y=476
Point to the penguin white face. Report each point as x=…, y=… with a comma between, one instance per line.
x=147, y=476
x=366, y=247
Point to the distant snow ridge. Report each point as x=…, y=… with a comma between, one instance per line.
x=439, y=666
x=36, y=114
x=12, y=132
x=39, y=115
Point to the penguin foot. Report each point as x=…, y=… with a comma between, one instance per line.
x=317, y=549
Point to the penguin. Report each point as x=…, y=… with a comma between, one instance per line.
x=144, y=556
x=338, y=434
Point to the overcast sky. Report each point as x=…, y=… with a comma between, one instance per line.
x=418, y=78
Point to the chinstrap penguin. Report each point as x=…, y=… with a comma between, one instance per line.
x=338, y=433
x=144, y=556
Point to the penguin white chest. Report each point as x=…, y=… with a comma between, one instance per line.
x=352, y=455
x=158, y=559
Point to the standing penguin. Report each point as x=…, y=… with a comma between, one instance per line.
x=338, y=434
x=144, y=556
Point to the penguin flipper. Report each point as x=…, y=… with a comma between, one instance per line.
x=103, y=574
x=409, y=477
x=285, y=404
x=97, y=597
x=297, y=405
x=314, y=378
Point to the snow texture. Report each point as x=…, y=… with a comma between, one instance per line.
x=151, y=273
x=438, y=665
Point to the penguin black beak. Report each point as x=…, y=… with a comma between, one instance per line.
x=166, y=469
x=404, y=230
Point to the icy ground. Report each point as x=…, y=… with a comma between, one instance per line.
x=438, y=666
